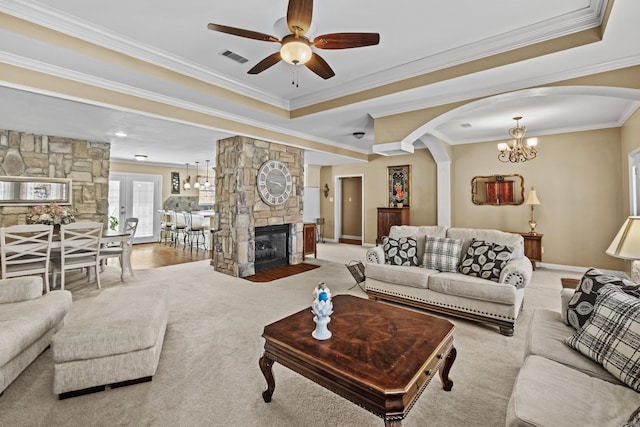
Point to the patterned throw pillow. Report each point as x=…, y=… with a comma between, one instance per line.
x=584, y=298
x=442, y=254
x=401, y=251
x=610, y=337
x=485, y=260
x=634, y=419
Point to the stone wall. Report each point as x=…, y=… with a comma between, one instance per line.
x=86, y=163
x=240, y=209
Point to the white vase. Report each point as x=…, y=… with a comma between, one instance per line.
x=321, y=332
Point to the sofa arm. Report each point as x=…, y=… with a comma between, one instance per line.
x=375, y=255
x=17, y=289
x=517, y=272
x=565, y=296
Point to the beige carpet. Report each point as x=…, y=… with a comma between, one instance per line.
x=209, y=376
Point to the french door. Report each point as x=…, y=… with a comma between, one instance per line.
x=133, y=195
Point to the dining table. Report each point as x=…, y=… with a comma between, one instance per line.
x=108, y=236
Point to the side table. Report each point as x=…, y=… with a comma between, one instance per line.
x=533, y=247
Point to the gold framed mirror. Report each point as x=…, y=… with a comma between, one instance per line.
x=497, y=190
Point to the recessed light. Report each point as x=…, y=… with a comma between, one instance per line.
x=121, y=134
x=140, y=157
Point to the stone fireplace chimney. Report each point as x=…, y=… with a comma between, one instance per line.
x=239, y=208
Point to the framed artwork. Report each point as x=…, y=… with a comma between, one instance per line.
x=175, y=182
x=399, y=185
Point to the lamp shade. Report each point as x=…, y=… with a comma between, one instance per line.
x=626, y=244
x=533, y=198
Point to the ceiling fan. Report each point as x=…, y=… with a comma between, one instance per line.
x=296, y=48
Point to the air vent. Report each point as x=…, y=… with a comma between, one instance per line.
x=465, y=125
x=232, y=55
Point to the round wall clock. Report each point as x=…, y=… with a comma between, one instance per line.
x=274, y=182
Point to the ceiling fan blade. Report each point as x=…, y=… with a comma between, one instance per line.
x=243, y=33
x=346, y=40
x=299, y=15
x=320, y=66
x=267, y=62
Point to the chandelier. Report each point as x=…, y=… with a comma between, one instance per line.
x=518, y=150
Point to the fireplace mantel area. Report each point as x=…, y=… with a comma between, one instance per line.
x=240, y=209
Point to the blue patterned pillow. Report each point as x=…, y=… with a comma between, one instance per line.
x=485, y=260
x=401, y=251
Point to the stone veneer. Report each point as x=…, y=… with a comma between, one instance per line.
x=86, y=163
x=240, y=209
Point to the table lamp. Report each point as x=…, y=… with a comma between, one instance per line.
x=626, y=245
x=532, y=200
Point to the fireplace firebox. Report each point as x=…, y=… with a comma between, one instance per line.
x=271, y=247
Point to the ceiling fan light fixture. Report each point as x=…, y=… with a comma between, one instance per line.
x=295, y=51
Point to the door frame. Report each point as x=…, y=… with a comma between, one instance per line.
x=337, y=206
x=128, y=177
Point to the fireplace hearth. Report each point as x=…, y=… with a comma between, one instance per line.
x=271, y=247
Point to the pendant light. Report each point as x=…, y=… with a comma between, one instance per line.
x=197, y=183
x=206, y=183
x=187, y=182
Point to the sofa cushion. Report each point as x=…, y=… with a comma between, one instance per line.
x=485, y=259
x=442, y=254
x=473, y=287
x=582, y=303
x=419, y=232
x=547, y=336
x=23, y=323
x=416, y=277
x=401, y=251
x=513, y=240
x=547, y=393
x=611, y=335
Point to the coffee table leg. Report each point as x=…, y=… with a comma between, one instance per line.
x=265, y=367
x=447, y=383
x=392, y=423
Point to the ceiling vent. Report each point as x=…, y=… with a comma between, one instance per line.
x=232, y=55
x=465, y=125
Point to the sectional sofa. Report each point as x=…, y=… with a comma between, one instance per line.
x=559, y=386
x=28, y=321
x=496, y=301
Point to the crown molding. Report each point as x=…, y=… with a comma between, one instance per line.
x=56, y=71
x=583, y=19
x=75, y=27
x=404, y=106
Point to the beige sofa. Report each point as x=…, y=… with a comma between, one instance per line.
x=557, y=386
x=497, y=303
x=28, y=321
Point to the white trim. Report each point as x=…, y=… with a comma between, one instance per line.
x=577, y=269
x=578, y=20
x=337, y=205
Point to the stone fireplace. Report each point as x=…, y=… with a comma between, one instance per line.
x=240, y=210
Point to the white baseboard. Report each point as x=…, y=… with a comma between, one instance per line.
x=580, y=270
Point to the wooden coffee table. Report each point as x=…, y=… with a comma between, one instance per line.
x=380, y=357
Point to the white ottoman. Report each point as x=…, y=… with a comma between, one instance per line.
x=116, y=341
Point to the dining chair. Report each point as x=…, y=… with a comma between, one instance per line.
x=178, y=227
x=25, y=250
x=123, y=251
x=198, y=225
x=79, y=248
x=165, y=226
